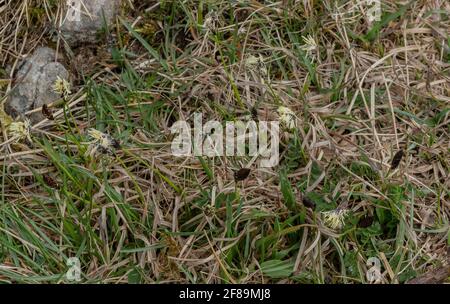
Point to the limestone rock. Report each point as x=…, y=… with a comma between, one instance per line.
x=84, y=18
x=35, y=80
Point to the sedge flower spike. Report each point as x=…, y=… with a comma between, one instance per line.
x=334, y=219
x=309, y=43
x=20, y=130
x=287, y=117
x=62, y=87
x=211, y=21
x=309, y=46
x=258, y=65
x=101, y=142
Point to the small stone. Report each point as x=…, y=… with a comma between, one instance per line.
x=84, y=19
x=35, y=80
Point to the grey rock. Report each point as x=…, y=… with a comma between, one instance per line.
x=86, y=17
x=35, y=80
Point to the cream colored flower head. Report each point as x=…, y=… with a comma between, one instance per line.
x=62, y=87
x=251, y=61
x=309, y=45
x=287, y=117
x=20, y=130
x=211, y=21
x=256, y=64
x=101, y=142
x=242, y=30
x=334, y=219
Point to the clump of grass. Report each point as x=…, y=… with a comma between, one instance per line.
x=357, y=92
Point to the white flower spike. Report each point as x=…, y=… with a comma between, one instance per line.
x=287, y=117
x=101, y=142
x=20, y=129
x=334, y=219
x=310, y=46
x=309, y=43
x=211, y=21
x=62, y=87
